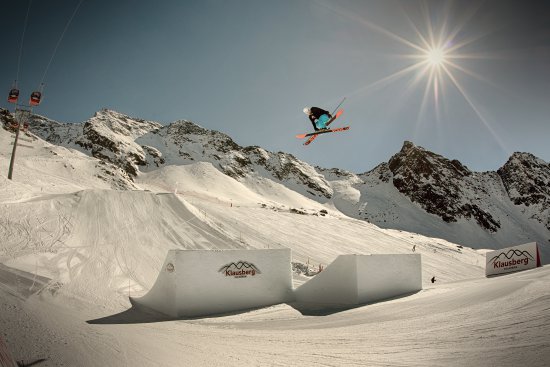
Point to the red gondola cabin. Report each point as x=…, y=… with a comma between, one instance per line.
x=14, y=94
x=35, y=98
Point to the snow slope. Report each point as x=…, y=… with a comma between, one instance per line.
x=72, y=249
x=497, y=322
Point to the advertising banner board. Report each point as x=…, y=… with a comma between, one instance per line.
x=511, y=259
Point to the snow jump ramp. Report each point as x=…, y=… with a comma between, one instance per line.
x=194, y=283
x=353, y=280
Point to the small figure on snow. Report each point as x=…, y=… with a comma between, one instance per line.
x=414, y=248
x=433, y=279
x=318, y=117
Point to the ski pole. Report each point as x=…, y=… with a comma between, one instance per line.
x=338, y=106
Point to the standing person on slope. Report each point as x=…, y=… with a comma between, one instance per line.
x=318, y=117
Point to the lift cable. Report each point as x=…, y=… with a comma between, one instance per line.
x=22, y=42
x=59, y=41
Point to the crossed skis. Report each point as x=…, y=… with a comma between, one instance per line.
x=312, y=136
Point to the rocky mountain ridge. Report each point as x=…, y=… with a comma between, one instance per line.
x=416, y=190
x=440, y=185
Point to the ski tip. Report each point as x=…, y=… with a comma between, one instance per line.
x=301, y=136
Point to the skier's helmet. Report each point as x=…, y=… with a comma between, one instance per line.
x=307, y=111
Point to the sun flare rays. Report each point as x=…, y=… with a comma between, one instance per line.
x=437, y=56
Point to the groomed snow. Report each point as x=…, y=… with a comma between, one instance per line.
x=72, y=250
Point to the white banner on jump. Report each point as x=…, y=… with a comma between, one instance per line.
x=510, y=259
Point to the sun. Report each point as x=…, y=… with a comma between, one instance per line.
x=435, y=56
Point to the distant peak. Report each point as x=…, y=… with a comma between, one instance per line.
x=407, y=145
x=523, y=156
x=107, y=112
x=421, y=162
x=524, y=160
x=410, y=149
x=188, y=127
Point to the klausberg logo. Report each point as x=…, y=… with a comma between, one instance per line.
x=511, y=259
x=240, y=269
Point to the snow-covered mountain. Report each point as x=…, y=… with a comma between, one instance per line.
x=416, y=190
x=136, y=145
x=422, y=191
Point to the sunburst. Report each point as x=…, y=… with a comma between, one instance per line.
x=437, y=59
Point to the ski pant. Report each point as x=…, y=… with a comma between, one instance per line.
x=322, y=121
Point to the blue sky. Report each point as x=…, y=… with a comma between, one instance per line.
x=248, y=68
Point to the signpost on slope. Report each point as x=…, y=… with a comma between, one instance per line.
x=20, y=115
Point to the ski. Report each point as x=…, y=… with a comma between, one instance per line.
x=301, y=136
x=334, y=117
x=308, y=141
x=313, y=136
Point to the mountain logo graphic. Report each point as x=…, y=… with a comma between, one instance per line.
x=511, y=258
x=240, y=269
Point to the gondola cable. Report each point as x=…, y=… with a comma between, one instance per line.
x=36, y=96
x=14, y=92
x=59, y=42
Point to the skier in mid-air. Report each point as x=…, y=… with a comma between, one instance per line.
x=318, y=117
